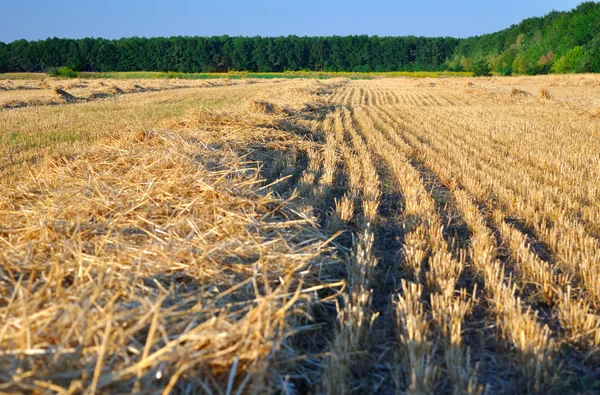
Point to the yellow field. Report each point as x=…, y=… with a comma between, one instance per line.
x=18, y=93
x=382, y=236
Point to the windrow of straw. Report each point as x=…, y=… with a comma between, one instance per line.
x=515, y=92
x=65, y=96
x=157, y=260
x=545, y=94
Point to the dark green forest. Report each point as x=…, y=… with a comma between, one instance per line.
x=559, y=42
x=221, y=54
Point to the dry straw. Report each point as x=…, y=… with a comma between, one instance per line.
x=545, y=94
x=265, y=107
x=519, y=93
x=161, y=259
x=63, y=95
x=56, y=91
x=115, y=90
x=155, y=261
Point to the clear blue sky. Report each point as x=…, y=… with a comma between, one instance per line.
x=39, y=19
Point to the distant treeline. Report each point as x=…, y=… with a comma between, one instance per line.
x=223, y=53
x=559, y=42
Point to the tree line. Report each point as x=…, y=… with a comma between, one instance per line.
x=559, y=42
x=224, y=53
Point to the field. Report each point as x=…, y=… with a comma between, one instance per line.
x=436, y=235
x=15, y=93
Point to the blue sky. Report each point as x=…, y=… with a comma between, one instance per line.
x=39, y=19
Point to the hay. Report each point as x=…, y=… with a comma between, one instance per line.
x=545, y=94
x=115, y=90
x=73, y=85
x=22, y=85
x=134, y=88
x=88, y=90
x=14, y=104
x=243, y=132
x=63, y=95
x=514, y=92
x=158, y=254
x=265, y=107
x=43, y=84
x=97, y=96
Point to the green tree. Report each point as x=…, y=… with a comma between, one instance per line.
x=530, y=43
x=241, y=56
x=481, y=68
x=3, y=58
x=574, y=61
x=592, y=59
x=107, y=58
x=23, y=57
x=504, y=62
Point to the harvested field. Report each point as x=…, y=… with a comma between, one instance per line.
x=382, y=236
x=53, y=91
